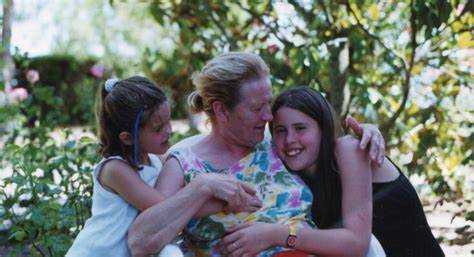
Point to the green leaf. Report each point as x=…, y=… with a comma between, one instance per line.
x=18, y=235
x=19, y=180
x=55, y=191
x=40, y=187
x=69, y=145
x=12, y=148
x=470, y=216
x=37, y=217
x=462, y=229
x=56, y=160
x=86, y=140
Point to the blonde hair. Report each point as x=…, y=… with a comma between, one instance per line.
x=221, y=79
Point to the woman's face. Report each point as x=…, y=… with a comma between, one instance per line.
x=247, y=120
x=297, y=138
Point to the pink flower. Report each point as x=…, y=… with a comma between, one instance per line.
x=32, y=76
x=17, y=94
x=272, y=48
x=97, y=70
x=459, y=9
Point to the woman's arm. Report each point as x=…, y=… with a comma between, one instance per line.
x=229, y=194
x=160, y=224
x=352, y=239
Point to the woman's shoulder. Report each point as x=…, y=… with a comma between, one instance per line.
x=187, y=142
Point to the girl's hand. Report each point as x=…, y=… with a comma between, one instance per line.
x=248, y=239
x=370, y=135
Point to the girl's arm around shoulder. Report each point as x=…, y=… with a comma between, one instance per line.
x=356, y=184
x=119, y=177
x=353, y=236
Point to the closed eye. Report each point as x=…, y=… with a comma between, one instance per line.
x=160, y=127
x=300, y=128
x=279, y=130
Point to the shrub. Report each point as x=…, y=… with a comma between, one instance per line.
x=47, y=198
x=73, y=80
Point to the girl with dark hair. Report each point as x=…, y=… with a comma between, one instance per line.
x=344, y=184
x=133, y=118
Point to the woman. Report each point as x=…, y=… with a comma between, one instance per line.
x=234, y=91
x=304, y=135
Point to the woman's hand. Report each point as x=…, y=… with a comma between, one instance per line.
x=237, y=195
x=248, y=239
x=370, y=135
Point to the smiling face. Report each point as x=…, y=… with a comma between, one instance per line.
x=297, y=138
x=247, y=120
x=154, y=135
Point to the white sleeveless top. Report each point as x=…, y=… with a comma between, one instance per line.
x=105, y=232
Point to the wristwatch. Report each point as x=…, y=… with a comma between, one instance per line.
x=291, y=239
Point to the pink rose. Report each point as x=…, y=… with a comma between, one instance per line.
x=32, y=76
x=17, y=94
x=272, y=48
x=97, y=70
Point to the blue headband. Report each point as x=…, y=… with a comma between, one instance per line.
x=135, y=137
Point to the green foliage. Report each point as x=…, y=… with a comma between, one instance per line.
x=71, y=81
x=47, y=197
x=176, y=137
x=408, y=67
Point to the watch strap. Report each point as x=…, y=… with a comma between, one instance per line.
x=291, y=239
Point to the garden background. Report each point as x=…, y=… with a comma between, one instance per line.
x=405, y=65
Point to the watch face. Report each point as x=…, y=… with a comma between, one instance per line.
x=291, y=241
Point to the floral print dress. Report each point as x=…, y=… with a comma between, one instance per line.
x=285, y=198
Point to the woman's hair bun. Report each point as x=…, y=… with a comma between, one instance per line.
x=195, y=102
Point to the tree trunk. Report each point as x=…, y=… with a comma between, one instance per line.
x=8, y=64
x=338, y=73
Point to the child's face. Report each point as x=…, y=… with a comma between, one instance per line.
x=297, y=138
x=153, y=137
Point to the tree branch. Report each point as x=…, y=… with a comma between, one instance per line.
x=329, y=18
x=308, y=16
x=218, y=24
x=274, y=31
x=376, y=38
x=408, y=70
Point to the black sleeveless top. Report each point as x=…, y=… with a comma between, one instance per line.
x=399, y=222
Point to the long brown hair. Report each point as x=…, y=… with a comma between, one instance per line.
x=117, y=108
x=324, y=181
